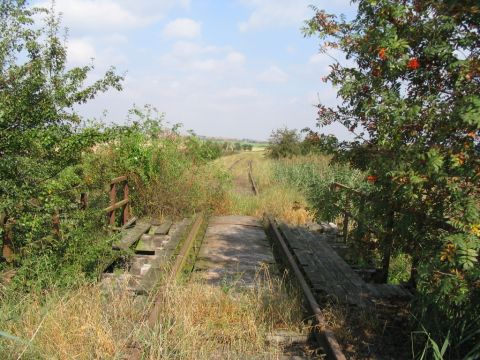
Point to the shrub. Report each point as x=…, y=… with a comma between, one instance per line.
x=284, y=143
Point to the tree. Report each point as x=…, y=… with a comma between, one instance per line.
x=284, y=143
x=319, y=143
x=40, y=132
x=412, y=98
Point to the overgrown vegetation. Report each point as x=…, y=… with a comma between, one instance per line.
x=49, y=156
x=197, y=321
x=412, y=99
x=277, y=198
x=286, y=143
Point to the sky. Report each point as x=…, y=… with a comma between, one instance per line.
x=227, y=68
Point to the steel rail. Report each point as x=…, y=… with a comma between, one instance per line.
x=252, y=180
x=323, y=334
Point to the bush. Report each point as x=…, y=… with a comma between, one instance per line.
x=284, y=143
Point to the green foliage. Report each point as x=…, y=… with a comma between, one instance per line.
x=284, y=143
x=319, y=143
x=48, y=157
x=315, y=180
x=42, y=145
x=412, y=99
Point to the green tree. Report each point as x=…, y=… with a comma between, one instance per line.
x=412, y=98
x=40, y=132
x=319, y=143
x=284, y=143
x=238, y=146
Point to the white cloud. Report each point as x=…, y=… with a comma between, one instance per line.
x=182, y=28
x=231, y=62
x=185, y=49
x=284, y=12
x=111, y=15
x=92, y=15
x=80, y=52
x=273, y=75
x=317, y=59
x=235, y=57
x=239, y=92
x=192, y=57
x=274, y=12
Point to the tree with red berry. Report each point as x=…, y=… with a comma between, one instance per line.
x=413, y=100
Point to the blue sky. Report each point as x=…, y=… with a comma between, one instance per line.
x=232, y=68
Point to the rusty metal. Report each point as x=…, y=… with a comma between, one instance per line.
x=323, y=334
x=252, y=180
x=126, y=209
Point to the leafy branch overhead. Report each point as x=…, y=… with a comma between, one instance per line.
x=41, y=132
x=410, y=92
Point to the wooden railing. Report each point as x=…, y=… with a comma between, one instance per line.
x=123, y=204
x=7, y=223
x=385, y=235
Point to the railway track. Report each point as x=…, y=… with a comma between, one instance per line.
x=161, y=251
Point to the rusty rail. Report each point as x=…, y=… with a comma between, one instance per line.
x=123, y=204
x=322, y=333
x=252, y=179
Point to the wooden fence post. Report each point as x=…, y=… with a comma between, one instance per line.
x=346, y=218
x=83, y=201
x=387, y=247
x=113, y=200
x=56, y=223
x=7, y=243
x=126, y=209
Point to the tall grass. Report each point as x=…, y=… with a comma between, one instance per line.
x=197, y=321
x=276, y=198
x=312, y=176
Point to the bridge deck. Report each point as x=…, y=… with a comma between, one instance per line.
x=234, y=249
x=329, y=275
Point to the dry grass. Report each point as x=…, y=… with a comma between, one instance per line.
x=82, y=324
x=197, y=321
x=285, y=203
x=209, y=322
